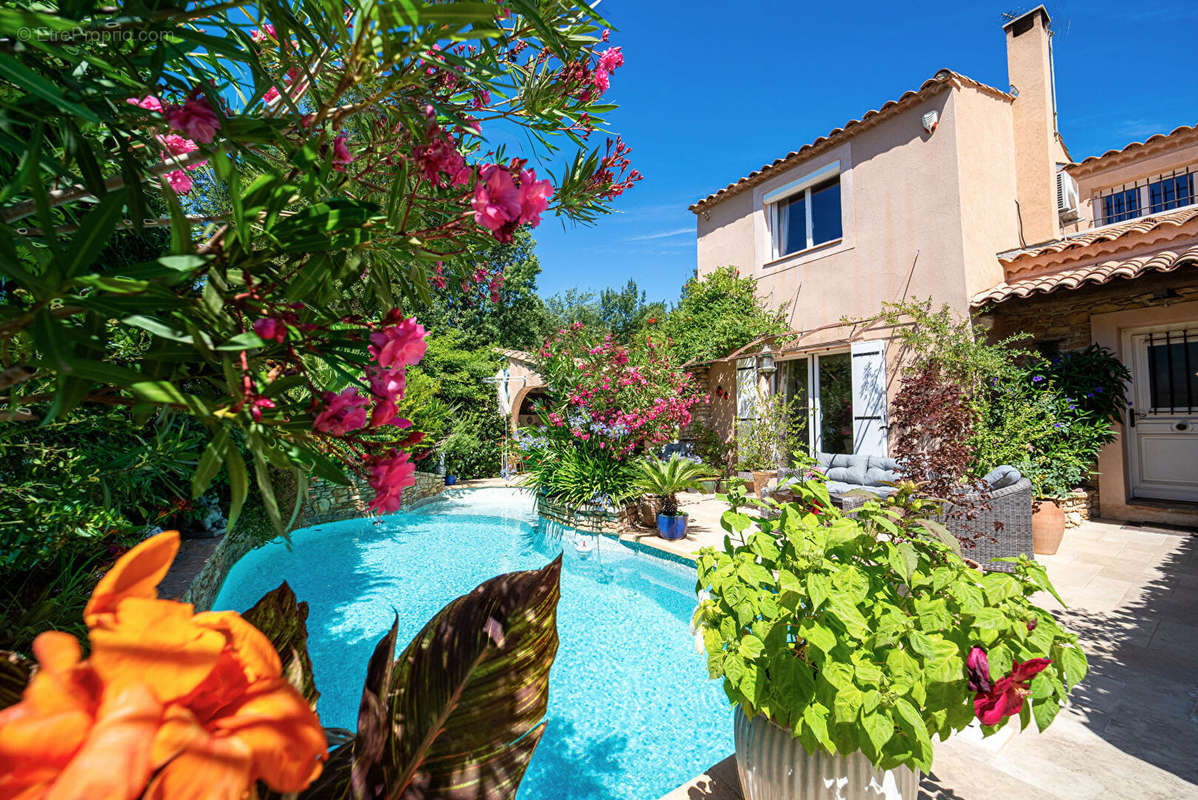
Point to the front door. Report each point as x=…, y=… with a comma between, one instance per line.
x=1163, y=418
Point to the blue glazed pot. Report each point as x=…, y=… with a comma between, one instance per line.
x=450, y=480
x=671, y=527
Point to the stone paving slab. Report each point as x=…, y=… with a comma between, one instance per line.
x=1131, y=729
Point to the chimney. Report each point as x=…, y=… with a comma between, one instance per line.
x=1037, y=144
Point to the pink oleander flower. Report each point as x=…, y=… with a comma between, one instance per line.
x=611, y=59
x=534, y=197
x=149, y=103
x=501, y=204
x=271, y=329
x=438, y=277
x=389, y=476
x=1005, y=697
x=342, y=412
x=602, y=80
x=195, y=119
x=267, y=31
x=256, y=404
x=399, y=345
x=387, y=384
x=178, y=180
x=341, y=154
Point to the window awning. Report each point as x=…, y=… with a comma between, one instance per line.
x=1105, y=272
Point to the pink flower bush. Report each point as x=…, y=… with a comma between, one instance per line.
x=178, y=180
x=507, y=197
x=389, y=476
x=195, y=118
x=622, y=400
x=271, y=329
x=399, y=344
x=341, y=155
x=342, y=412
x=149, y=103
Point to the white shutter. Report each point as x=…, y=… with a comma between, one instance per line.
x=869, y=398
x=746, y=388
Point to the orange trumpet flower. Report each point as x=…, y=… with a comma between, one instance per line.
x=170, y=704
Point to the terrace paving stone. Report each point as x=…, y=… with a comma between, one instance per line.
x=1131, y=728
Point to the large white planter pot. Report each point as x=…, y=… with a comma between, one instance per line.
x=773, y=765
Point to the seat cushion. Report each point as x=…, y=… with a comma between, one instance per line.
x=876, y=476
x=1002, y=477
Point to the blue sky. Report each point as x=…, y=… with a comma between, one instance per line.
x=709, y=94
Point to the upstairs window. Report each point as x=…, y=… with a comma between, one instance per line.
x=1151, y=196
x=1121, y=205
x=806, y=213
x=1174, y=191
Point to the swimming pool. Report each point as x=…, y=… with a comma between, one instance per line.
x=632, y=713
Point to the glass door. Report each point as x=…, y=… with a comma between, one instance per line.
x=822, y=385
x=835, y=409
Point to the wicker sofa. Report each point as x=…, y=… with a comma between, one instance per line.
x=1003, y=529
x=1009, y=504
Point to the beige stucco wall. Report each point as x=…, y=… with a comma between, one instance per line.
x=986, y=177
x=923, y=216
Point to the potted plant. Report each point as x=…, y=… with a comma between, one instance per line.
x=847, y=643
x=1049, y=435
x=665, y=479
x=764, y=443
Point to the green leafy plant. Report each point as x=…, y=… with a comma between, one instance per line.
x=665, y=479
x=1092, y=377
x=1048, y=436
x=776, y=434
x=863, y=633
x=715, y=315
x=575, y=474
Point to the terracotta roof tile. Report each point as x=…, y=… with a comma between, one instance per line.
x=937, y=82
x=1162, y=261
x=1151, y=140
x=1104, y=234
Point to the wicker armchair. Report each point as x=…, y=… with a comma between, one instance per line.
x=982, y=541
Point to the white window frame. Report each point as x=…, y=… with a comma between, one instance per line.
x=773, y=203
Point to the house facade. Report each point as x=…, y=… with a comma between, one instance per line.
x=966, y=194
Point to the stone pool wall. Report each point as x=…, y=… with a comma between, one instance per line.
x=325, y=502
x=584, y=518
x=329, y=502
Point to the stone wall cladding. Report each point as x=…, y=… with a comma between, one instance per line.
x=330, y=502
x=1064, y=315
x=1079, y=506
x=325, y=502
x=583, y=518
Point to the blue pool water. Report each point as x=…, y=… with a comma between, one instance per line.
x=631, y=711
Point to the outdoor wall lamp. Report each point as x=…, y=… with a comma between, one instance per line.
x=765, y=361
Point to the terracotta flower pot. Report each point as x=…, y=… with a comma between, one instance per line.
x=1048, y=526
x=761, y=479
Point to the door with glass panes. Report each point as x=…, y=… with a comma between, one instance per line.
x=822, y=386
x=1162, y=424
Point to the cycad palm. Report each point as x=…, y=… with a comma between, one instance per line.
x=666, y=478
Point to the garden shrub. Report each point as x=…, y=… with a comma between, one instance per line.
x=607, y=402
